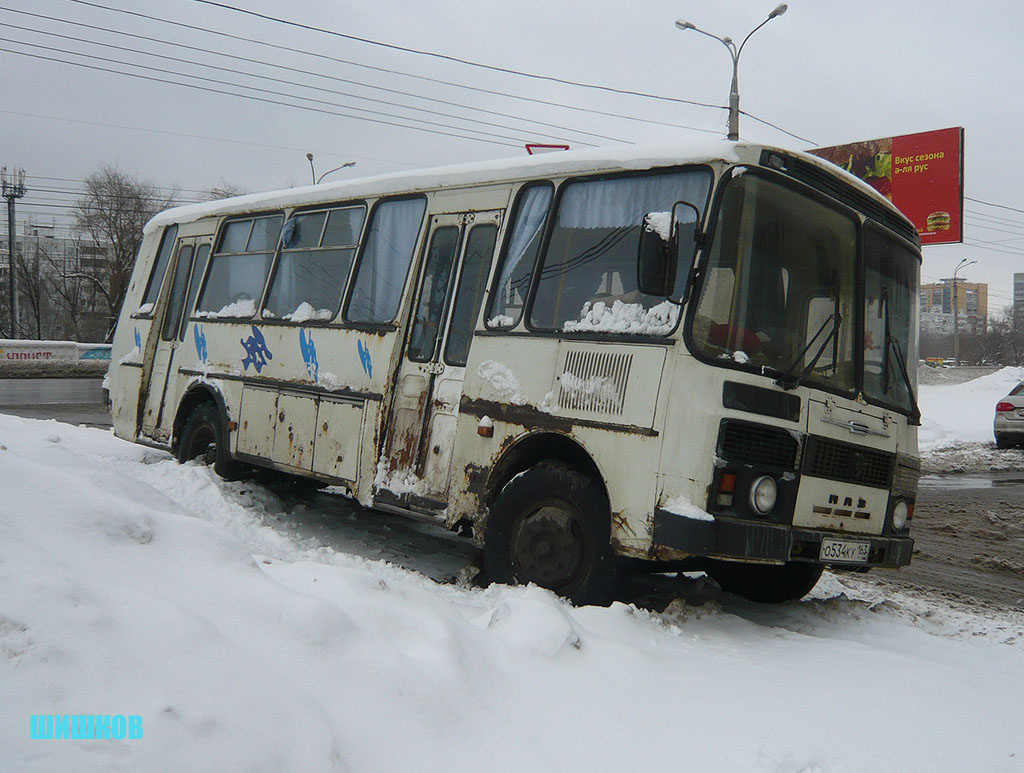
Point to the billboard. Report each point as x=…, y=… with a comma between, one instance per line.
x=922, y=174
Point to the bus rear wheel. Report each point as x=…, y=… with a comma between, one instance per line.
x=767, y=584
x=203, y=437
x=551, y=526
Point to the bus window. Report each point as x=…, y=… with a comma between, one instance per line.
x=470, y=293
x=159, y=269
x=520, y=256
x=444, y=245
x=182, y=271
x=317, y=249
x=239, y=266
x=198, y=269
x=384, y=263
x=590, y=261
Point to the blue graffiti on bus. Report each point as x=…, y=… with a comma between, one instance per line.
x=256, y=351
x=138, y=340
x=364, y=358
x=308, y=349
x=200, y=338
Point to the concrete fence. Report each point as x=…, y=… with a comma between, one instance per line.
x=25, y=351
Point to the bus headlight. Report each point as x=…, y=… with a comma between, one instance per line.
x=763, y=494
x=899, y=515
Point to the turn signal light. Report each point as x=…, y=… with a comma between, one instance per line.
x=1003, y=407
x=727, y=483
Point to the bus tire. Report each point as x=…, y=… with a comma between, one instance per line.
x=203, y=437
x=766, y=584
x=551, y=526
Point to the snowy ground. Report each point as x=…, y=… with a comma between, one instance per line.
x=132, y=585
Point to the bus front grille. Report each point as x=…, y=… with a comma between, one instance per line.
x=748, y=443
x=834, y=460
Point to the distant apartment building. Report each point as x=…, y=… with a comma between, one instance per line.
x=937, y=302
x=59, y=277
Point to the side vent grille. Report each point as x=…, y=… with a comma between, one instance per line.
x=746, y=443
x=594, y=381
x=848, y=463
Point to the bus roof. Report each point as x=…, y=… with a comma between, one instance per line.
x=613, y=158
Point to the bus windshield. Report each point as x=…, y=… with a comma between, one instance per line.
x=778, y=289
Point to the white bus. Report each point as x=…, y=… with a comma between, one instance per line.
x=589, y=361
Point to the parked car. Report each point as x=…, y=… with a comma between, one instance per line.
x=1008, y=425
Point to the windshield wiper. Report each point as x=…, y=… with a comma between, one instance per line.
x=790, y=381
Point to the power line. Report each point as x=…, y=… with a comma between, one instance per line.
x=181, y=134
x=990, y=204
x=259, y=89
x=262, y=99
x=286, y=68
x=425, y=78
x=446, y=57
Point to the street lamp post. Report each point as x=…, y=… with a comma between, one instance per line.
x=956, y=311
x=312, y=170
x=329, y=171
x=734, y=52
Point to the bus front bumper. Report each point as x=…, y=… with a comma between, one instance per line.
x=732, y=538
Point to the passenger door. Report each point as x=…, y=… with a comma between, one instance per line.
x=457, y=261
x=189, y=263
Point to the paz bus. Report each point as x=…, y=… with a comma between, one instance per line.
x=660, y=359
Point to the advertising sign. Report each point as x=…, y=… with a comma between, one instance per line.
x=922, y=174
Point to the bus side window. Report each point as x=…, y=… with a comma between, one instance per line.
x=156, y=278
x=520, y=257
x=239, y=267
x=470, y=293
x=384, y=263
x=317, y=249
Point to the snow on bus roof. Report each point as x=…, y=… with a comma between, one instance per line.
x=482, y=172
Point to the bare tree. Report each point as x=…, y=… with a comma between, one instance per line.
x=225, y=190
x=111, y=214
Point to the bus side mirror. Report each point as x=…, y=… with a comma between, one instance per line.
x=668, y=240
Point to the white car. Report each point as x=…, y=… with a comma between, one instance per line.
x=1008, y=425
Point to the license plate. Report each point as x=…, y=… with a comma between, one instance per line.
x=844, y=551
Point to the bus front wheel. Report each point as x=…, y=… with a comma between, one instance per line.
x=551, y=526
x=203, y=437
x=766, y=584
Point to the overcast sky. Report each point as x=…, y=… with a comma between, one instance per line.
x=827, y=71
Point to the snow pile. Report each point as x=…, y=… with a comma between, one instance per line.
x=242, y=308
x=306, y=312
x=659, y=223
x=630, y=318
x=399, y=482
x=600, y=388
x=130, y=584
x=501, y=320
x=955, y=414
x=685, y=508
x=502, y=380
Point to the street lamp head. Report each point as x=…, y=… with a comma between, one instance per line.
x=780, y=9
x=309, y=156
x=684, y=25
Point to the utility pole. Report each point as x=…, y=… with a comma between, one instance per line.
x=12, y=191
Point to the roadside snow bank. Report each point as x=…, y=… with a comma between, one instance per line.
x=956, y=414
x=130, y=584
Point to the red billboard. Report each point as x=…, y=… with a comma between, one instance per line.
x=922, y=174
